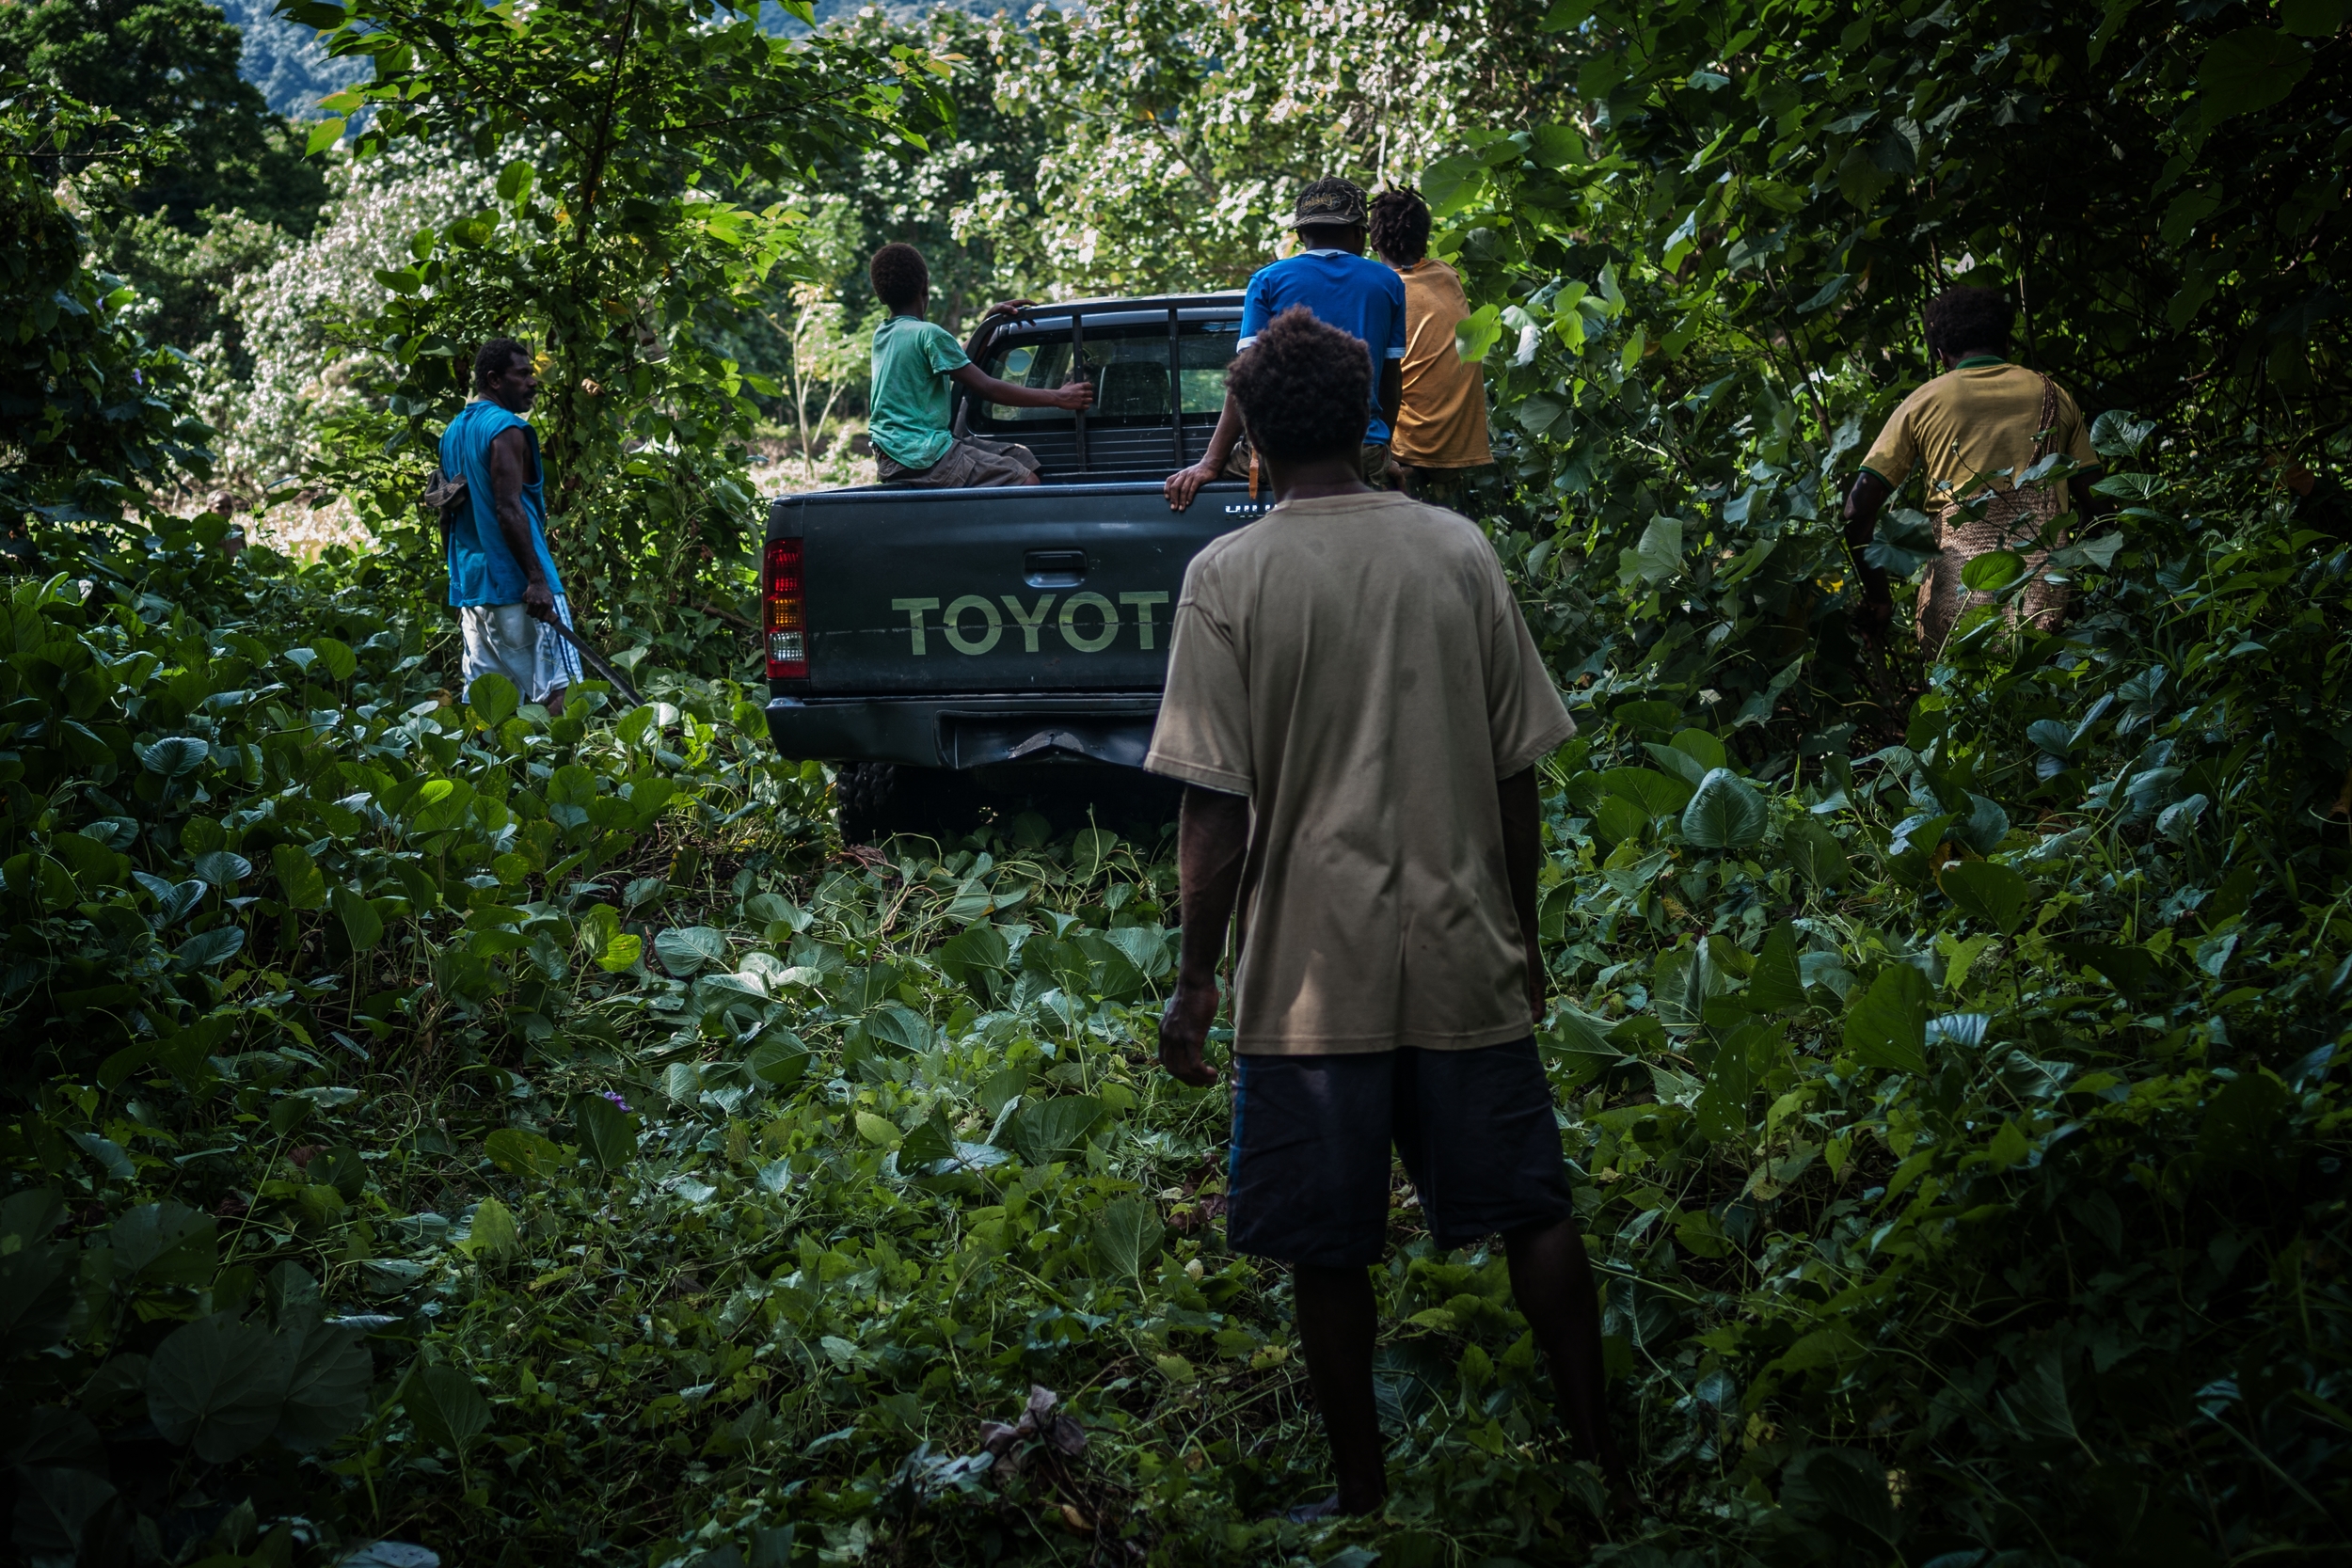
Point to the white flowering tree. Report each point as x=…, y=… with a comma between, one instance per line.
x=1181, y=128
x=301, y=314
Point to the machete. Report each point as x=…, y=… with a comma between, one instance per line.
x=596, y=663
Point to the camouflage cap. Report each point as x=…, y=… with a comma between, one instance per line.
x=1328, y=202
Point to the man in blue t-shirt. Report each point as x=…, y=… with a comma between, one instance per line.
x=1331, y=276
x=502, y=581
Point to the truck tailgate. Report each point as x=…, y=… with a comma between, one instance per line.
x=1033, y=588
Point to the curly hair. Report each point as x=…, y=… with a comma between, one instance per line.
x=899, y=275
x=496, y=358
x=1305, y=389
x=1962, y=320
x=1400, y=226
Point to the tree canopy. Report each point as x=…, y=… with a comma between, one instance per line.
x=171, y=65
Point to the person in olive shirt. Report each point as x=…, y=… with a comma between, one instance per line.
x=1356, y=709
x=915, y=361
x=1975, y=431
x=1439, y=451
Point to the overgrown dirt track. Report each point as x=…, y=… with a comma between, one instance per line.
x=535, y=1139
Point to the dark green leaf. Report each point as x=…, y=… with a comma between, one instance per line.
x=686, y=949
x=1657, y=794
x=1725, y=814
x=1125, y=1237
x=518, y=1152
x=1888, y=1027
x=448, y=1410
x=1816, y=853
x=2251, y=68
x=493, y=698
x=300, y=883
x=218, y=1385
x=1991, y=895
x=607, y=1132
x=1777, y=985
x=1047, y=1130
x=327, y=1395
x=362, y=925
x=175, y=756
x=209, y=950
x=1992, y=571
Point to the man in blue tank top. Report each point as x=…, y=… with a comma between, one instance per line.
x=502, y=582
x=1340, y=287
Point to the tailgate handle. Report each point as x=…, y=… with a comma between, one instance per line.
x=1053, y=568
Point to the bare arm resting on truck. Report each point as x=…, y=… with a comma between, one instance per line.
x=1184, y=484
x=1072, y=395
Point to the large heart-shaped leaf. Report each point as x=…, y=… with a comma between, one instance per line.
x=898, y=1026
x=1658, y=794
x=1984, y=826
x=494, y=1233
x=607, y=1132
x=163, y=1244
x=686, y=949
x=448, y=1410
x=1777, y=984
x=175, y=756
x=1044, y=1131
x=1725, y=814
x=1619, y=820
x=362, y=923
x=1991, y=895
x=327, y=1394
x=1992, y=571
x=2248, y=70
x=209, y=948
x=300, y=883
x=217, y=1385
x=223, y=869
x=1125, y=1237
x=522, y=1154
x=1888, y=1027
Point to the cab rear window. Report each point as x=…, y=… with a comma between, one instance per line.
x=1129, y=367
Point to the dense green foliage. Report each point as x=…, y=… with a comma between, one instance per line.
x=2019, y=1178
x=538, y=1139
x=1701, y=295
x=186, y=226
x=90, y=413
x=624, y=138
x=171, y=65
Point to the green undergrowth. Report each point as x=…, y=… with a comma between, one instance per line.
x=535, y=1140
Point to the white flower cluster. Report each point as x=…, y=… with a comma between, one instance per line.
x=303, y=370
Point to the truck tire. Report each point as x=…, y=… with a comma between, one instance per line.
x=875, y=800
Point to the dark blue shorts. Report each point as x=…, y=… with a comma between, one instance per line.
x=1308, y=1180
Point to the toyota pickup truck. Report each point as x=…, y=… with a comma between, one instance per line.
x=947, y=646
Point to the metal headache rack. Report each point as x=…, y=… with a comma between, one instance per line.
x=1128, y=454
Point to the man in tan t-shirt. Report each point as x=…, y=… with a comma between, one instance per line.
x=1355, y=708
x=1440, y=448
x=1976, y=431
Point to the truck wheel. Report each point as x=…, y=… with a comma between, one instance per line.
x=875, y=800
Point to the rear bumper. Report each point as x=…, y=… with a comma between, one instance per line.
x=968, y=732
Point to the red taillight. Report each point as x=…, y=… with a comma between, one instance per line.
x=788, y=630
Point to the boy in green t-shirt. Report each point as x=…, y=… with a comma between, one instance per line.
x=914, y=361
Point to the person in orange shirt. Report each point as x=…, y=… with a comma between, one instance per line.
x=1974, y=432
x=1440, y=448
